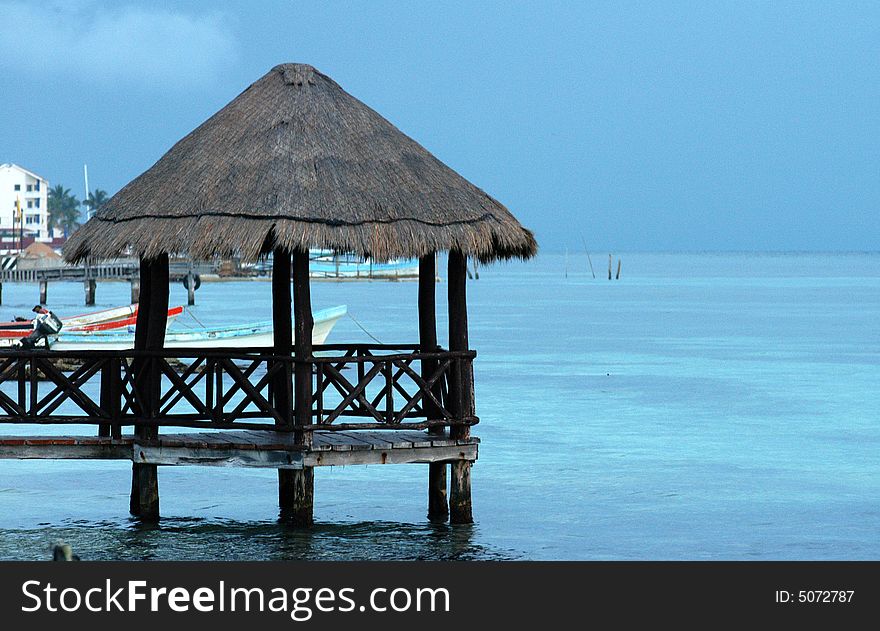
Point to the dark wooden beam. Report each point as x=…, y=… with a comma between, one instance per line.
x=159, y=289
x=142, y=325
x=282, y=327
x=296, y=487
x=303, y=325
x=152, y=312
x=145, y=298
x=438, y=507
x=89, y=285
x=461, y=388
x=158, y=322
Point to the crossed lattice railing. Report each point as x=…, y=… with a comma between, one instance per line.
x=382, y=386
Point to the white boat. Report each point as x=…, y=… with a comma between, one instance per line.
x=115, y=319
x=259, y=335
x=326, y=264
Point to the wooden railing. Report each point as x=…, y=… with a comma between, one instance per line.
x=381, y=386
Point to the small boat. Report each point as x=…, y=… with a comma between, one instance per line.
x=326, y=264
x=105, y=320
x=254, y=335
x=85, y=319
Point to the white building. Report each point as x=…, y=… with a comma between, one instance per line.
x=32, y=191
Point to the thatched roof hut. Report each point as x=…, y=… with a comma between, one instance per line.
x=295, y=162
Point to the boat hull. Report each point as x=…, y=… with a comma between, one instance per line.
x=108, y=320
x=326, y=264
x=259, y=335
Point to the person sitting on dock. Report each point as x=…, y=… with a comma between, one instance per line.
x=45, y=324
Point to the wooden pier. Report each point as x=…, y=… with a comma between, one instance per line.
x=371, y=404
x=273, y=450
x=124, y=270
x=293, y=163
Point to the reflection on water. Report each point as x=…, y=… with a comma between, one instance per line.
x=218, y=540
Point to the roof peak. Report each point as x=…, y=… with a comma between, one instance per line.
x=296, y=74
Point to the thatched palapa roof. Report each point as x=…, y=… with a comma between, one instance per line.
x=295, y=161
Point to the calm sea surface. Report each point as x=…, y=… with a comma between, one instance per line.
x=704, y=406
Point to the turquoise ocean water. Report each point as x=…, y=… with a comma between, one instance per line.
x=704, y=406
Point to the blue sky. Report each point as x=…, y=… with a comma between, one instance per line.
x=639, y=126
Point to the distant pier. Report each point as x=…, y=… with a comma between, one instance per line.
x=89, y=275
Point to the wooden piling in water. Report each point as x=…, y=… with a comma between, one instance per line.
x=152, y=319
x=144, y=502
x=295, y=486
x=89, y=286
x=190, y=288
x=296, y=495
x=281, y=391
x=135, y=290
x=438, y=506
x=1, y=293
x=44, y=291
x=618, y=270
x=610, y=263
x=300, y=510
x=461, y=388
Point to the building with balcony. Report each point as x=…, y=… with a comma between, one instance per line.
x=32, y=223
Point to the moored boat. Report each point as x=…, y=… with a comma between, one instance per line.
x=327, y=264
x=85, y=319
x=106, y=320
x=256, y=335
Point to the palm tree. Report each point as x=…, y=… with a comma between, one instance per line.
x=95, y=200
x=63, y=210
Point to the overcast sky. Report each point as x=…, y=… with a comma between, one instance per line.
x=639, y=126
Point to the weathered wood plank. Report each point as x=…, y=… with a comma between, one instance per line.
x=335, y=440
x=241, y=449
x=219, y=457
x=422, y=455
x=357, y=443
x=379, y=440
x=49, y=451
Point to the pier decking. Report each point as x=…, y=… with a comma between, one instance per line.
x=263, y=449
x=369, y=405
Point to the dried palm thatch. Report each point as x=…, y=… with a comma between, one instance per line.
x=296, y=162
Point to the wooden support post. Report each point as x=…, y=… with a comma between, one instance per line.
x=302, y=342
x=44, y=291
x=282, y=327
x=609, y=266
x=461, y=390
x=190, y=288
x=135, y=290
x=115, y=396
x=144, y=302
x=158, y=319
x=89, y=286
x=438, y=507
x=617, y=277
x=106, y=396
x=296, y=487
x=144, y=502
x=1, y=293
x=152, y=320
